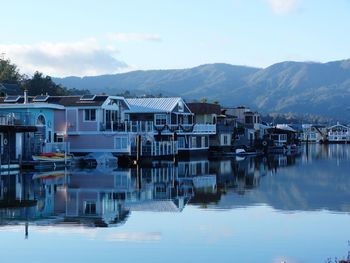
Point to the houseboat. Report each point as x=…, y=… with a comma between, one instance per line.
x=313, y=133
x=338, y=134
x=167, y=127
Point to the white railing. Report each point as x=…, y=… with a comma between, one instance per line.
x=164, y=148
x=128, y=126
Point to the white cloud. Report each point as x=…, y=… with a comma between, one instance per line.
x=283, y=7
x=126, y=37
x=81, y=58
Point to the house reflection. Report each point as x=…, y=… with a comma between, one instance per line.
x=106, y=197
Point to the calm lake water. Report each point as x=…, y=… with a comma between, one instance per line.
x=275, y=209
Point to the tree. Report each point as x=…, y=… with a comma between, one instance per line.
x=9, y=73
x=204, y=100
x=40, y=84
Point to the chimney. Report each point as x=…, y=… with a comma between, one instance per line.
x=25, y=96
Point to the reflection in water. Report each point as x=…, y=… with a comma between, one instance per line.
x=103, y=197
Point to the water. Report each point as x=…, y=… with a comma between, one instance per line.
x=275, y=209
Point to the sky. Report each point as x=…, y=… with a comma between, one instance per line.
x=83, y=38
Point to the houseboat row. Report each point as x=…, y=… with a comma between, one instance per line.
x=131, y=129
x=337, y=133
x=140, y=127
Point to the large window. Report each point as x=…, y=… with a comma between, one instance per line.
x=160, y=119
x=90, y=115
x=121, y=143
x=89, y=208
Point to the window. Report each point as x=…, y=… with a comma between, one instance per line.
x=121, y=143
x=224, y=139
x=181, y=142
x=49, y=136
x=185, y=119
x=194, y=142
x=89, y=208
x=160, y=119
x=90, y=115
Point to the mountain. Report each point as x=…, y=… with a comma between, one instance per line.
x=297, y=87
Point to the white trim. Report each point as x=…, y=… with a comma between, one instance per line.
x=77, y=119
x=97, y=117
x=34, y=105
x=82, y=107
x=99, y=133
x=338, y=125
x=115, y=98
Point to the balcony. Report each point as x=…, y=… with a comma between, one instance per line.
x=16, y=119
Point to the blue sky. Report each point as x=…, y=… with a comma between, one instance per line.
x=64, y=38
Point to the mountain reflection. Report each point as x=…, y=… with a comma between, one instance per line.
x=317, y=179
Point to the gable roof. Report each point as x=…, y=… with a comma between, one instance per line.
x=152, y=105
x=338, y=125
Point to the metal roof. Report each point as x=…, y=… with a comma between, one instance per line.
x=150, y=105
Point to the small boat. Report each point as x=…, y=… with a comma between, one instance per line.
x=100, y=159
x=52, y=157
x=242, y=152
x=49, y=175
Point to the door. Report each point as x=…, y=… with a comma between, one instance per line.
x=19, y=144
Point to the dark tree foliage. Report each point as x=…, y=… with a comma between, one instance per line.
x=38, y=84
x=9, y=73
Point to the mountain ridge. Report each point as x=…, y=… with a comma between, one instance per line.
x=289, y=86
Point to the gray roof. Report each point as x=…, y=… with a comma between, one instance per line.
x=66, y=101
x=152, y=105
